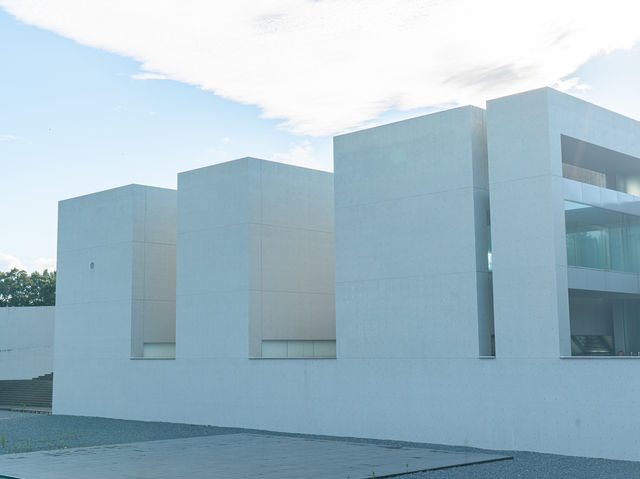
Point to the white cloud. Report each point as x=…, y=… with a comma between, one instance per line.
x=326, y=66
x=149, y=76
x=8, y=262
x=300, y=155
x=41, y=264
x=570, y=84
x=225, y=139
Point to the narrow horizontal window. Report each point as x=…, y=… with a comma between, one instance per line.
x=159, y=350
x=298, y=349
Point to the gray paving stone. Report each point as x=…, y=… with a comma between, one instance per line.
x=233, y=456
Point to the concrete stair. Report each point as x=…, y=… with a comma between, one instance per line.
x=27, y=393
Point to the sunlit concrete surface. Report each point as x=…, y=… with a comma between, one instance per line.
x=234, y=456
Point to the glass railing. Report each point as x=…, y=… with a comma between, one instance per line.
x=583, y=175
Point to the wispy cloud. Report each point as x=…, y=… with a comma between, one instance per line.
x=11, y=138
x=570, y=84
x=300, y=154
x=324, y=67
x=149, y=76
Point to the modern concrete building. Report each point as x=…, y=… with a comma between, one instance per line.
x=482, y=287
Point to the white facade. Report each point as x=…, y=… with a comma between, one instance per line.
x=117, y=276
x=414, y=304
x=412, y=203
x=26, y=342
x=255, y=241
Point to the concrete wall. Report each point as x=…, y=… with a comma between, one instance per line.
x=154, y=280
x=407, y=197
x=255, y=257
x=411, y=239
x=527, y=227
x=26, y=342
x=116, y=278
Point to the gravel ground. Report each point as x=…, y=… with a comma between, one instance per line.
x=22, y=432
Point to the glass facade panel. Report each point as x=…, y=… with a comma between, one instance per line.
x=598, y=166
x=489, y=248
x=486, y=330
x=274, y=349
x=604, y=323
x=159, y=350
x=602, y=239
x=298, y=348
x=326, y=349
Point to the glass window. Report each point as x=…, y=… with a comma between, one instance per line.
x=602, y=239
x=298, y=349
x=159, y=350
x=604, y=323
x=598, y=166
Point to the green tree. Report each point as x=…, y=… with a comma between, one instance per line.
x=18, y=288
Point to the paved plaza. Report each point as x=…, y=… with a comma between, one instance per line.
x=234, y=456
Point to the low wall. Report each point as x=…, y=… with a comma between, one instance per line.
x=580, y=407
x=26, y=342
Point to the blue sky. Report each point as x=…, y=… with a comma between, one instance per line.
x=76, y=120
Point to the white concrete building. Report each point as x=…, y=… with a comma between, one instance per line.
x=484, y=290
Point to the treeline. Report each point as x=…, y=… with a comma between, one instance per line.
x=18, y=288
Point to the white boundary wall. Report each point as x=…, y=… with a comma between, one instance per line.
x=26, y=342
x=407, y=324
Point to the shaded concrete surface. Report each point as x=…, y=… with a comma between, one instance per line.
x=234, y=456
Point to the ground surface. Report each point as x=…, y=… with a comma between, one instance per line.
x=233, y=456
x=21, y=432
